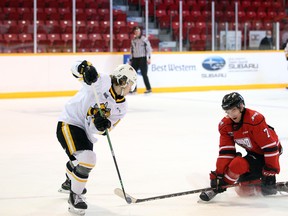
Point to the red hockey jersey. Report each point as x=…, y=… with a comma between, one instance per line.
x=253, y=134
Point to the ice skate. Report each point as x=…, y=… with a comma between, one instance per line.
x=207, y=195
x=77, y=204
x=66, y=187
x=283, y=187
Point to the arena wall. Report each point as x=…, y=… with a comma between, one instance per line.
x=48, y=75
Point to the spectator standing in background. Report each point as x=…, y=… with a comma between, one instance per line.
x=141, y=56
x=267, y=42
x=285, y=48
x=284, y=34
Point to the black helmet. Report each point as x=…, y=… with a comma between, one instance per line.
x=231, y=100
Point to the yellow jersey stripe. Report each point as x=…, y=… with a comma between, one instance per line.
x=68, y=138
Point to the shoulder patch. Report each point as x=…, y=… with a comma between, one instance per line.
x=226, y=121
x=253, y=116
x=105, y=95
x=221, y=123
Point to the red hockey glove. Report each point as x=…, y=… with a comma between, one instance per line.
x=217, y=182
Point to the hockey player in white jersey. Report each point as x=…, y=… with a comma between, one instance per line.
x=80, y=122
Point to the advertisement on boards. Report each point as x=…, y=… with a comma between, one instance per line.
x=168, y=70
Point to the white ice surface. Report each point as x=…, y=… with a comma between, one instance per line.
x=167, y=143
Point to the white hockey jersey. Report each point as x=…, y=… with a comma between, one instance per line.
x=77, y=111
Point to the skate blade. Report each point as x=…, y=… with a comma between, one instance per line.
x=200, y=201
x=61, y=190
x=75, y=211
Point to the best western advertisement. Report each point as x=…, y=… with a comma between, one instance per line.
x=235, y=68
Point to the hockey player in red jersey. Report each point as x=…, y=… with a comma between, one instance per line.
x=248, y=129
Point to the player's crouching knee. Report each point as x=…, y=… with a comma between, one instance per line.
x=248, y=190
x=87, y=159
x=239, y=165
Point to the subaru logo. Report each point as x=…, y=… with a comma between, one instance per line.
x=213, y=63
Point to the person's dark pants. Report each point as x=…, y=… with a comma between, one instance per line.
x=141, y=63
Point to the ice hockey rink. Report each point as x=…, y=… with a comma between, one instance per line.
x=167, y=143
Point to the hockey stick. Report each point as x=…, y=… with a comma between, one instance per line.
x=281, y=186
x=128, y=200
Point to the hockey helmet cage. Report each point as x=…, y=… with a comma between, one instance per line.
x=125, y=74
x=231, y=100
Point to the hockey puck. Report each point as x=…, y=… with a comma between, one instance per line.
x=128, y=200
